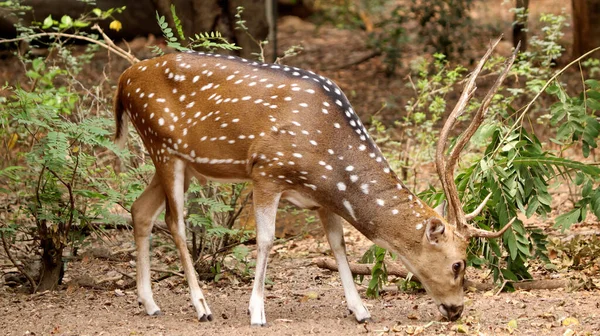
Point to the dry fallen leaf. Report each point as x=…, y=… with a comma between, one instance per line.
x=570, y=321
x=413, y=316
x=461, y=328
x=512, y=326
x=309, y=296
x=412, y=330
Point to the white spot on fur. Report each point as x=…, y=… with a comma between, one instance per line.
x=349, y=208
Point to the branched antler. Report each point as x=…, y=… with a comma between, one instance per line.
x=445, y=168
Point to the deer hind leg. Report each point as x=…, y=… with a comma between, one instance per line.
x=265, y=210
x=175, y=181
x=335, y=235
x=143, y=213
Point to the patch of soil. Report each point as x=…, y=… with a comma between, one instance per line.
x=301, y=299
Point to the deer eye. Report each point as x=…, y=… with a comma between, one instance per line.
x=456, y=267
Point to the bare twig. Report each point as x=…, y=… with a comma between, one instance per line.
x=395, y=270
x=109, y=45
x=162, y=270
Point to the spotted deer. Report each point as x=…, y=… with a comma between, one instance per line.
x=295, y=136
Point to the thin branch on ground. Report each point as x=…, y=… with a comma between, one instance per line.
x=401, y=272
x=162, y=270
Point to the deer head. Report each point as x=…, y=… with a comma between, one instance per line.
x=443, y=270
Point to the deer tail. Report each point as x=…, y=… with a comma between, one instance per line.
x=120, y=118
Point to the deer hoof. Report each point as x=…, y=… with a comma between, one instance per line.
x=206, y=318
x=364, y=320
x=156, y=313
x=255, y=325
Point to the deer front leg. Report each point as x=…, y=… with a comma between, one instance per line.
x=174, y=185
x=265, y=210
x=143, y=213
x=335, y=235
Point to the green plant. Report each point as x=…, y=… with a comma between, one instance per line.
x=214, y=210
x=55, y=166
x=416, y=143
x=177, y=40
x=54, y=176
x=389, y=39
x=442, y=24
x=375, y=255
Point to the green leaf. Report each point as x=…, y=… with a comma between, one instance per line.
x=592, y=83
x=509, y=275
x=565, y=221
x=177, y=22
x=595, y=203
x=591, y=131
x=552, y=89
x=545, y=198
x=587, y=189
x=66, y=21
x=532, y=207
x=593, y=104
x=509, y=237
x=579, y=178
x=558, y=112
x=48, y=22
x=509, y=146
x=38, y=64
x=594, y=94
x=495, y=247
x=97, y=11
x=534, y=161
x=32, y=74
x=585, y=149
x=80, y=24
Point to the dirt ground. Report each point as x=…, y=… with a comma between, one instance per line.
x=301, y=299
x=98, y=297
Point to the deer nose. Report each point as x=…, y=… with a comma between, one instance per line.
x=451, y=312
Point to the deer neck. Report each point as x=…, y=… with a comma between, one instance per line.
x=374, y=200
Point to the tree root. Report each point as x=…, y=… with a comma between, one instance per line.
x=399, y=271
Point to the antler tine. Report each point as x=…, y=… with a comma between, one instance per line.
x=475, y=232
x=476, y=212
x=445, y=169
x=481, y=112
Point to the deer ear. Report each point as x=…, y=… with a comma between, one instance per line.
x=442, y=209
x=435, y=230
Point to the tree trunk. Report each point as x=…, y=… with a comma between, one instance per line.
x=586, y=26
x=520, y=28
x=52, y=270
